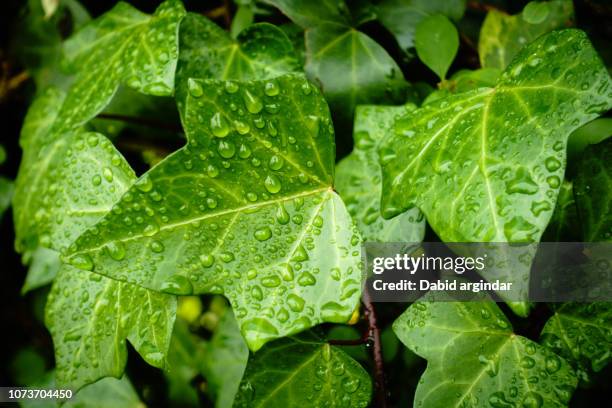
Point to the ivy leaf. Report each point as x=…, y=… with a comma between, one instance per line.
x=401, y=17
x=593, y=191
x=502, y=36
x=226, y=345
x=309, y=373
x=261, y=51
x=245, y=209
x=352, y=68
x=592, y=133
x=44, y=265
x=106, y=393
x=564, y=225
x=437, y=41
x=138, y=50
x=185, y=352
x=465, y=80
x=474, y=358
x=358, y=179
x=7, y=189
x=580, y=332
x=503, y=188
x=90, y=317
x=309, y=14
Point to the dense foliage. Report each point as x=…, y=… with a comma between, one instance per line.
x=195, y=183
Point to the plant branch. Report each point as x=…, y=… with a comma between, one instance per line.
x=374, y=335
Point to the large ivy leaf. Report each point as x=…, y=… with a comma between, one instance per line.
x=581, y=333
x=90, y=317
x=486, y=165
x=261, y=51
x=351, y=67
x=107, y=52
x=358, y=179
x=226, y=345
x=593, y=190
x=402, y=16
x=474, y=359
x=502, y=36
x=245, y=209
x=302, y=372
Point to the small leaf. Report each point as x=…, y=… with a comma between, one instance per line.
x=401, y=17
x=465, y=80
x=593, y=192
x=590, y=134
x=502, y=36
x=436, y=40
x=474, y=358
x=246, y=209
x=228, y=346
x=358, y=179
x=7, y=189
x=536, y=12
x=302, y=372
x=44, y=265
x=242, y=19
x=580, y=332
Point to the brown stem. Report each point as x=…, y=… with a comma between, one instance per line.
x=374, y=335
x=152, y=123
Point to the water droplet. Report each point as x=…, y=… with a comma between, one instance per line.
x=177, y=285
x=83, y=261
x=275, y=163
x=552, y=164
x=295, y=302
x=207, y=260
x=195, y=89
x=271, y=88
x=272, y=184
x=263, y=234
x=96, y=180
x=156, y=246
x=218, y=125
x=116, y=250
x=226, y=149
x=252, y=102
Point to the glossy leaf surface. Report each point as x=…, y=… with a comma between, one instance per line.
x=261, y=51
x=436, y=43
x=502, y=36
x=303, y=371
x=593, y=191
x=474, y=359
x=245, y=209
x=478, y=151
x=358, y=179
x=581, y=333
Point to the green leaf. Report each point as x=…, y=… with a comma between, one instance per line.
x=502, y=36
x=593, y=191
x=401, y=17
x=580, y=332
x=261, y=51
x=106, y=393
x=592, y=133
x=245, y=209
x=503, y=188
x=474, y=358
x=358, y=179
x=309, y=14
x=185, y=353
x=2, y=154
x=465, y=80
x=436, y=40
x=352, y=69
x=7, y=189
x=301, y=372
x=536, y=12
x=44, y=265
x=90, y=317
x=228, y=346
x=242, y=19
x=564, y=225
